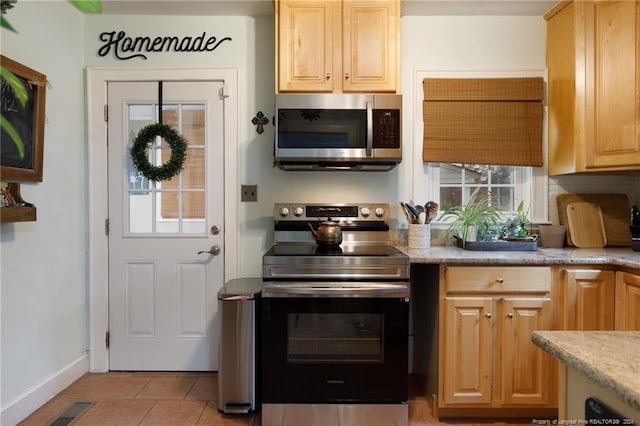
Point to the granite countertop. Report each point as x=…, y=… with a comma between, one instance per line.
x=609, y=358
x=622, y=256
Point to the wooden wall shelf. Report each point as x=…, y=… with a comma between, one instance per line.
x=18, y=214
x=24, y=212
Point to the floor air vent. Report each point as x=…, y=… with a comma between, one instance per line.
x=74, y=411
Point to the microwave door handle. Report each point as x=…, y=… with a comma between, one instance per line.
x=369, y=129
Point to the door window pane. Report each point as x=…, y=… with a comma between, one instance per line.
x=193, y=174
x=177, y=205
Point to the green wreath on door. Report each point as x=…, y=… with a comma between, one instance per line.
x=171, y=168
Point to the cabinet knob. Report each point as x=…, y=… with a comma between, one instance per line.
x=488, y=315
x=346, y=76
x=510, y=315
x=499, y=280
x=328, y=76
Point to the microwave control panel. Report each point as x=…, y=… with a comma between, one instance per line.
x=386, y=128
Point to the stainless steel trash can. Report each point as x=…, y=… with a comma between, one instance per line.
x=238, y=304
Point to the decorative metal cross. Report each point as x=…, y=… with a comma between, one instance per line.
x=260, y=120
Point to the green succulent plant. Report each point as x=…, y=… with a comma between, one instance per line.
x=515, y=226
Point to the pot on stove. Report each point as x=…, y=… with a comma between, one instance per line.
x=327, y=234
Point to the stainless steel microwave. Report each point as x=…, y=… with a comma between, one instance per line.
x=338, y=131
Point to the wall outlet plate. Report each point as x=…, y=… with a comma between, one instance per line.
x=248, y=193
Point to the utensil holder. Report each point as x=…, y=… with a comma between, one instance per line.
x=419, y=236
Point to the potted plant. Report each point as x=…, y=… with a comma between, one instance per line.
x=472, y=218
x=515, y=226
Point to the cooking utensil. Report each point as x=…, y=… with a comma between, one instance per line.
x=431, y=208
x=635, y=216
x=328, y=233
x=586, y=225
x=413, y=212
x=406, y=211
x=422, y=218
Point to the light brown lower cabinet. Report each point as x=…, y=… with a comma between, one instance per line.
x=594, y=298
x=584, y=298
x=627, y=303
x=486, y=358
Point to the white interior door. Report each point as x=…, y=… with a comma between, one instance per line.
x=162, y=294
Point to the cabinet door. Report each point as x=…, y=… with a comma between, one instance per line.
x=588, y=297
x=526, y=369
x=613, y=87
x=627, y=301
x=466, y=350
x=308, y=32
x=370, y=45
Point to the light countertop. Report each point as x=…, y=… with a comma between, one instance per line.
x=543, y=256
x=609, y=358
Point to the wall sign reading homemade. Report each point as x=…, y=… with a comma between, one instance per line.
x=125, y=47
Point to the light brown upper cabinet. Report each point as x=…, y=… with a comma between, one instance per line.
x=337, y=46
x=593, y=60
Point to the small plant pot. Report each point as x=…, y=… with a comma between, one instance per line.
x=472, y=234
x=552, y=236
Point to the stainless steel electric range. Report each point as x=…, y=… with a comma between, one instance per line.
x=334, y=317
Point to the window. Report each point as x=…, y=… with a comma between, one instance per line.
x=449, y=183
x=459, y=181
x=453, y=183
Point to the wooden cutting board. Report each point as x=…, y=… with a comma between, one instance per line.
x=586, y=225
x=615, y=214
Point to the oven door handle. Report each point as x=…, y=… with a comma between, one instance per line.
x=385, y=290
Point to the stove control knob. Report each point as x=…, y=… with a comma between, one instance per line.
x=365, y=211
x=284, y=212
x=379, y=212
x=298, y=211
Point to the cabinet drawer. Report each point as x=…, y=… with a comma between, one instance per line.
x=497, y=279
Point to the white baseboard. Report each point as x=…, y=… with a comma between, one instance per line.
x=38, y=395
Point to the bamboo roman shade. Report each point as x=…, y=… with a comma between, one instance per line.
x=483, y=121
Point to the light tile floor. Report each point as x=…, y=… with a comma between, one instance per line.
x=178, y=399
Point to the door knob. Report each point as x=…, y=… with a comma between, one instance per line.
x=214, y=251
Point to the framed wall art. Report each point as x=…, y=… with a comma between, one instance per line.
x=21, y=157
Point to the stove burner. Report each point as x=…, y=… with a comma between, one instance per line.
x=328, y=250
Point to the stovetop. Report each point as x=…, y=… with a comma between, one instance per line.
x=344, y=250
x=364, y=254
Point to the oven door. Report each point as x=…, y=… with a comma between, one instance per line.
x=335, y=349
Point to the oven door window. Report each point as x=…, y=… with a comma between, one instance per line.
x=314, y=338
x=322, y=128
